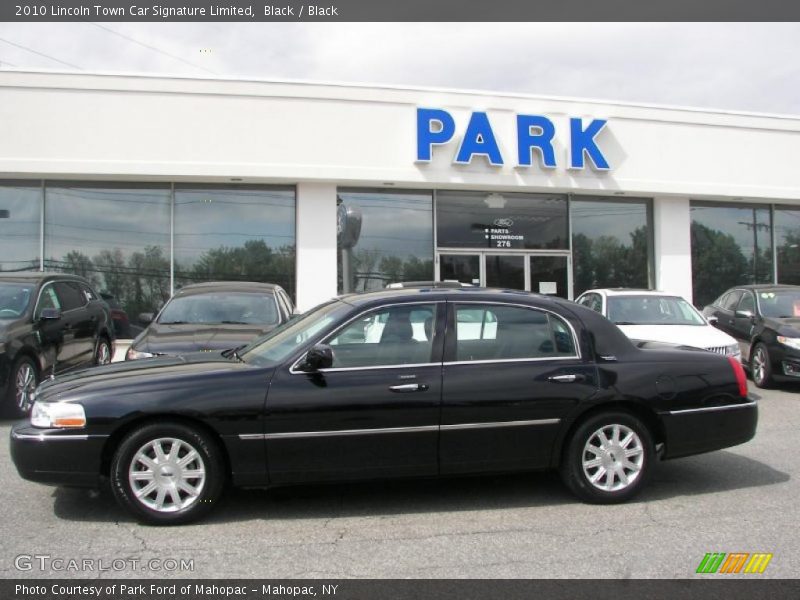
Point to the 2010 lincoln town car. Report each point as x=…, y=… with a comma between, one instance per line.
x=421, y=382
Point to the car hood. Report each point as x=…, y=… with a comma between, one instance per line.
x=698, y=336
x=140, y=375
x=788, y=326
x=181, y=339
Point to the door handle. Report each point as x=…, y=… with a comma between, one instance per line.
x=570, y=378
x=409, y=387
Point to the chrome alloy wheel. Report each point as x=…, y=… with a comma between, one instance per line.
x=103, y=353
x=167, y=475
x=759, y=366
x=613, y=458
x=25, y=385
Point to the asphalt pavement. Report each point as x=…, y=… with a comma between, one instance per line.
x=745, y=499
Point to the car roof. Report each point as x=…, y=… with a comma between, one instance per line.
x=37, y=276
x=454, y=294
x=208, y=287
x=629, y=292
x=763, y=286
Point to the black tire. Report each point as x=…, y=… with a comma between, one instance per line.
x=102, y=351
x=612, y=461
x=126, y=461
x=11, y=405
x=761, y=367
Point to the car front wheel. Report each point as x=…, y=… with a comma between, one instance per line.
x=608, y=458
x=761, y=367
x=21, y=385
x=168, y=474
x=102, y=354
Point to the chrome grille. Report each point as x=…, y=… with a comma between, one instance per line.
x=718, y=349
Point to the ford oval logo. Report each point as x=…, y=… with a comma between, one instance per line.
x=503, y=222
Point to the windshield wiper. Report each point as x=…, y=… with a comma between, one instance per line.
x=234, y=352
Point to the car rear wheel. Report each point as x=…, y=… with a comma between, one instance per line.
x=21, y=385
x=102, y=354
x=608, y=458
x=168, y=474
x=761, y=367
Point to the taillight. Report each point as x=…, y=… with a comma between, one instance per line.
x=741, y=378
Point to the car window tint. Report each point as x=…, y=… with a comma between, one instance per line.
x=731, y=300
x=213, y=308
x=14, y=299
x=594, y=302
x=70, y=295
x=507, y=333
x=396, y=335
x=748, y=303
x=88, y=293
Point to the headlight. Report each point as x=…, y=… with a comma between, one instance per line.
x=132, y=354
x=57, y=414
x=792, y=342
x=733, y=350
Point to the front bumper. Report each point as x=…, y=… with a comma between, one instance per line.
x=56, y=456
x=699, y=430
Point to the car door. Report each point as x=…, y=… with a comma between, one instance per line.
x=373, y=413
x=55, y=341
x=79, y=324
x=723, y=309
x=744, y=322
x=506, y=386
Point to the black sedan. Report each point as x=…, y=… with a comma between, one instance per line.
x=214, y=315
x=49, y=322
x=765, y=319
x=396, y=383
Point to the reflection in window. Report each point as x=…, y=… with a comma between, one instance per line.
x=611, y=244
x=731, y=245
x=384, y=236
x=20, y=216
x=236, y=233
x=117, y=237
x=494, y=220
x=787, y=242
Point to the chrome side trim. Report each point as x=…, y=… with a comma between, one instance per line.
x=384, y=430
x=373, y=368
x=346, y=432
x=684, y=411
x=509, y=360
x=499, y=424
x=42, y=437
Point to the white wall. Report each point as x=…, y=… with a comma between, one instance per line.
x=64, y=125
x=673, y=245
x=316, y=244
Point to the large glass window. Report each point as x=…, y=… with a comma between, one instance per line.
x=611, y=243
x=384, y=236
x=787, y=242
x=240, y=233
x=501, y=220
x=731, y=245
x=117, y=237
x=20, y=220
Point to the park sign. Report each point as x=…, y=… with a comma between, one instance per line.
x=535, y=135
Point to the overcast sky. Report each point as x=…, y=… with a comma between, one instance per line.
x=750, y=67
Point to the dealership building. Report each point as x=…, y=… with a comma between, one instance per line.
x=143, y=184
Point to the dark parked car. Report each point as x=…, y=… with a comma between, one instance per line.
x=456, y=381
x=216, y=315
x=765, y=319
x=49, y=322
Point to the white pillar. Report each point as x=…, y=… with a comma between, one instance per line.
x=673, y=245
x=316, y=244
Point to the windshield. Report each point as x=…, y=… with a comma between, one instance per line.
x=221, y=308
x=281, y=343
x=14, y=299
x=652, y=310
x=779, y=304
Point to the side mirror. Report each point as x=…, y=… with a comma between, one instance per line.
x=50, y=314
x=743, y=314
x=319, y=357
x=145, y=318
x=712, y=320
